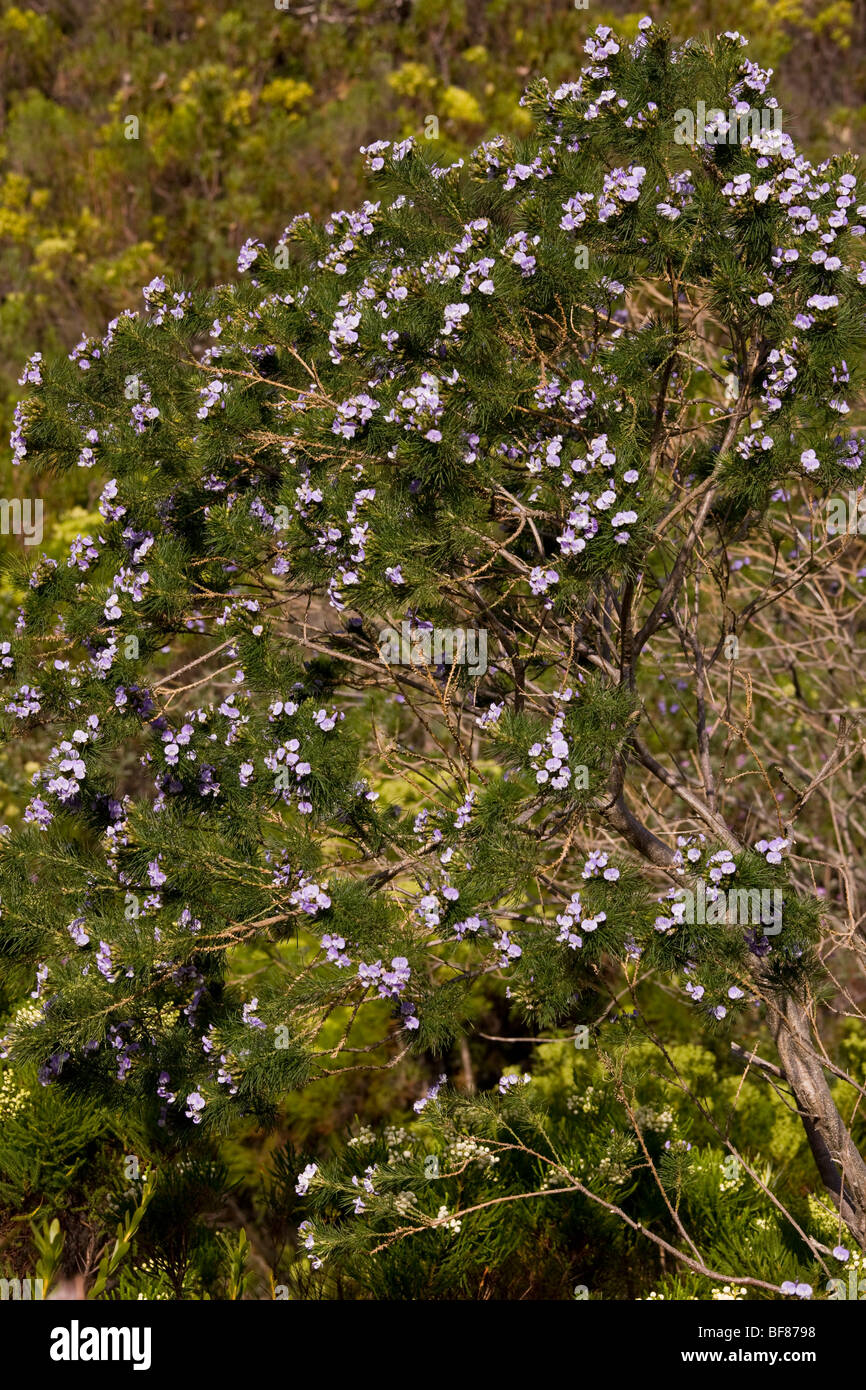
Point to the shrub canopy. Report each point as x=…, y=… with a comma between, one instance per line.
x=539, y=398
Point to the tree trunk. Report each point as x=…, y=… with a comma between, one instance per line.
x=840, y=1163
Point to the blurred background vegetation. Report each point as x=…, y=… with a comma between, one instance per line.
x=139, y=136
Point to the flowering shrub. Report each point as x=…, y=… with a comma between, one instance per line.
x=433, y=410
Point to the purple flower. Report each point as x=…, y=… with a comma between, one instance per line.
x=103, y=961
x=155, y=875
x=249, y=1015
x=248, y=253
x=52, y=1068
x=195, y=1103
x=507, y=1083
x=77, y=932
x=156, y=286
x=431, y=1094
x=162, y=1088
x=305, y=1178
